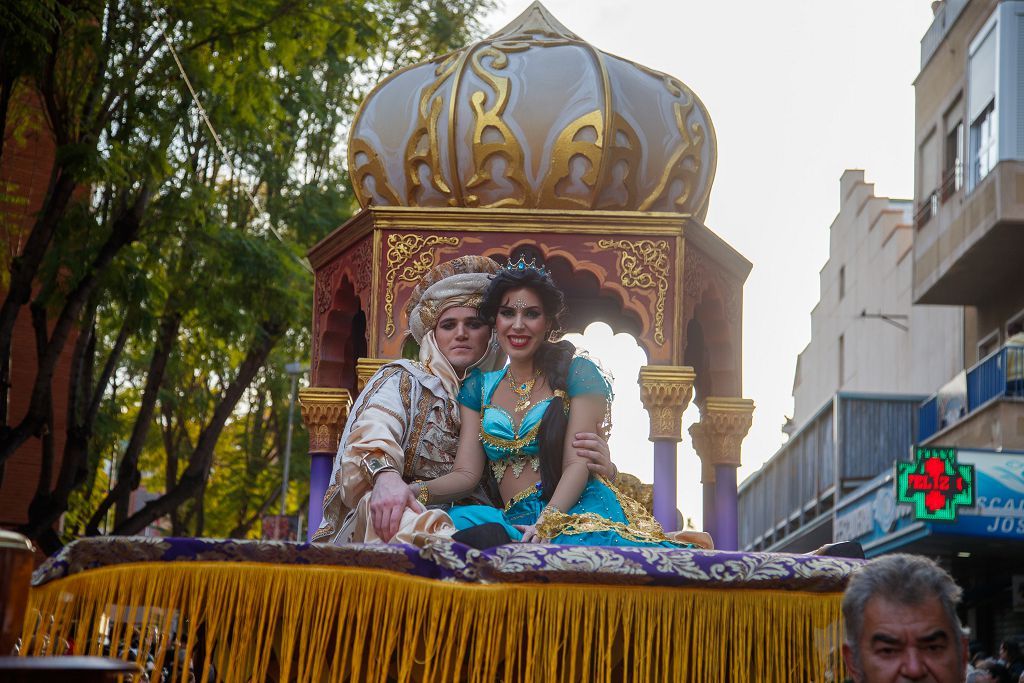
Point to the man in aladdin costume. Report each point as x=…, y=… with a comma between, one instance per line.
x=404, y=426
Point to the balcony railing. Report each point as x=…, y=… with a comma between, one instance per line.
x=928, y=418
x=928, y=208
x=1000, y=375
x=952, y=181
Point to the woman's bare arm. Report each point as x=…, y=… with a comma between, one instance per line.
x=585, y=415
x=469, y=463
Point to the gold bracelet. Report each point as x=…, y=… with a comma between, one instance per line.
x=549, y=522
x=422, y=493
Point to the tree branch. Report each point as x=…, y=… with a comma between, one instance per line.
x=128, y=470
x=125, y=230
x=202, y=456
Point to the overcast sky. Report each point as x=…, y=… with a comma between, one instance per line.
x=798, y=91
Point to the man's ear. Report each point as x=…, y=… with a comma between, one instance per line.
x=852, y=669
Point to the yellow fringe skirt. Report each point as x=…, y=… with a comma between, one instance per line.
x=260, y=622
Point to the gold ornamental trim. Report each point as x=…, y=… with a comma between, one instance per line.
x=365, y=369
x=488, y=121
x=401, y=250
x=324, y=412
x=724, y=423
x=651, y=225
x=424, y=147
x=644, y=264
x=665, y=391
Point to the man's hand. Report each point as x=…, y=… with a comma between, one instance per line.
x=390, y=496
x=594, y=449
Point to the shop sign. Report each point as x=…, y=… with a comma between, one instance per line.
x=935, y=483
x=873, y=515
x=999, y=500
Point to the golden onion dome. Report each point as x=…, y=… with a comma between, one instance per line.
x=533, y=117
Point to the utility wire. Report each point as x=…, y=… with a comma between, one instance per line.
x=216, y=138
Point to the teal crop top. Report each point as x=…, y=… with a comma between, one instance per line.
x=498, y=433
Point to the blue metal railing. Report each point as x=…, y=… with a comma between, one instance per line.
x=1000, y=374
x=928, y=418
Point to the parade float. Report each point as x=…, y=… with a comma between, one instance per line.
x=530, y=142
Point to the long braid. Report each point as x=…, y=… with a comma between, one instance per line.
x=553, y=359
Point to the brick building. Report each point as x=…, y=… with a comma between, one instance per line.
x=28, y=154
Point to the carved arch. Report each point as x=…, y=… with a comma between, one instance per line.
x=592, y=292
x=342, y=339
x=720, y=351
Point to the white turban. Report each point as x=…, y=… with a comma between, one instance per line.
x=459, y=282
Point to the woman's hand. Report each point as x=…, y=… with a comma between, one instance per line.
x=530, y=534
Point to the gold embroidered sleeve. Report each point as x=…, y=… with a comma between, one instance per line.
x=378, y=429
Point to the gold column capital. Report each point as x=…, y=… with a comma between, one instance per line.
x=724, y=422
x=665, y=391
x=365, y=367
x=324, y=412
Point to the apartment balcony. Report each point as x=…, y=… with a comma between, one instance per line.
x=988, y=415
x=788, y=505
x=966, y=242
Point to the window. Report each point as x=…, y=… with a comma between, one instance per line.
x=1015, y=325
x=928, y=172
x=988, y=344
x=953, y=161
x=842, y=369
x=983, y=143
x=982, y=100
x=842, y=282
x=927, y=180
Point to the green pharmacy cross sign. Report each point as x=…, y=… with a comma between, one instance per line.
x=935, y=484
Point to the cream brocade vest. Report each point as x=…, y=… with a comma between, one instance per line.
x=405, y=413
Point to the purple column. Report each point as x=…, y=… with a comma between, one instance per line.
x=320, y=468
x=665, y=484
x=710, y=512
x=726, y=534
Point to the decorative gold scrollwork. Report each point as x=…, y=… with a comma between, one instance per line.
x=402, y=249
x=682, y=172
x=492, y=136
x=623, y=160
x=536, y=27
x=645, y=264
x=370, y=167
x=423, y=148
x=324, y=290
x=568, y=146
x=363, y=258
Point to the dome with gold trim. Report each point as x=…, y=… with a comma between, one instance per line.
x=533, y=117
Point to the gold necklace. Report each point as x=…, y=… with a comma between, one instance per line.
x=522, y=390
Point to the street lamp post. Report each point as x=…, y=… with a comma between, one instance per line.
x=294, y=369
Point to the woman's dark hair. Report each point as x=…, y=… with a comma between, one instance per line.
x=551, y=358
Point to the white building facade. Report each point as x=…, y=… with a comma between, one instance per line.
x=866, y=334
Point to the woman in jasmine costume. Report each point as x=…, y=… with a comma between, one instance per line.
x=515, y=421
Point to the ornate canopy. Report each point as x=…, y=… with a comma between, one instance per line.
x=534, y=143
x=533, y=117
